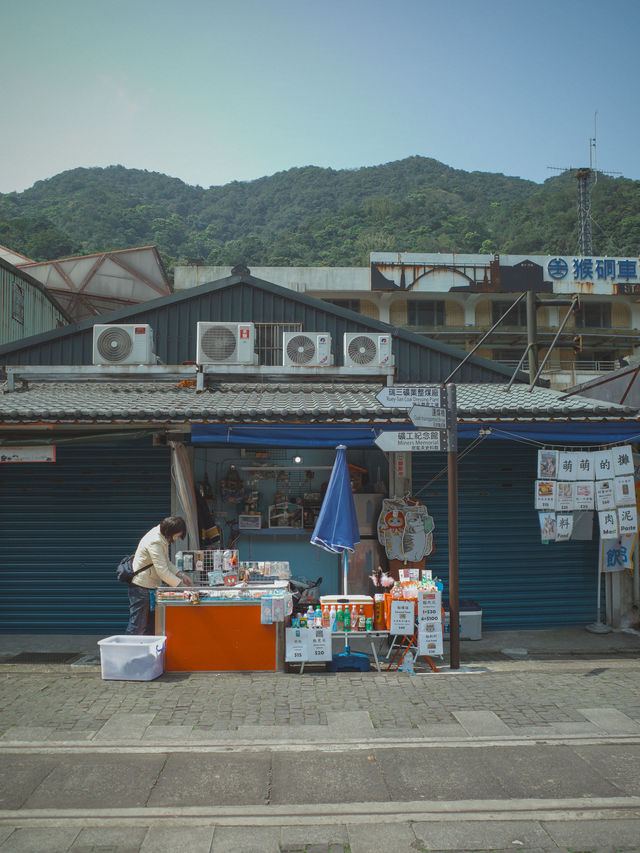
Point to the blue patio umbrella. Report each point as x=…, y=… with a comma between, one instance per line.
x=336, y=529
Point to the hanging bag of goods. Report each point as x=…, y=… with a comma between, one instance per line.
x=231, y=487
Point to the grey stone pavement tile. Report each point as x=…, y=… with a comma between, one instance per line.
x=595, y=834
x=481, y=835
x=297, y=837
x=382, y=838
x=163, y=838
x=40, y=840
x=120, y=838
x=612, y=721
x=256, y=839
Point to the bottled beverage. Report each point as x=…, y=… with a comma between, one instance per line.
x=179, y=561
x=318, y=616
x=369, y=624
x=302, y=620
x=355, y=624
x=333, y=618
x=378, y=612
x=346, y=619
x=340, y=619
x=326, y=618
x=311, y=617
x=362, y=619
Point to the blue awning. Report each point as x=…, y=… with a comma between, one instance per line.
x=363, y=435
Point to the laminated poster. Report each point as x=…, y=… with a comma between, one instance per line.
x=566, y=465
x=603, y=464
x=545, y=494
x=564, y=496
x=547, y=464
x=564, y=527
x=584, y=465
x=547, y=526
x=608, y=524
x=622, y=460
x=605, y=497
x=430, y=623
x=624, y=490
x=583, y=495
x=627, y=520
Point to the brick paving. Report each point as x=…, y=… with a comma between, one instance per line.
x=81, y=702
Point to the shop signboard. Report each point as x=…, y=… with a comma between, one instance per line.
x=36, y=453
x=414, y=440
x=407, y=396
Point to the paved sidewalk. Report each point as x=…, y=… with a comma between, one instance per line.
x=533, y=745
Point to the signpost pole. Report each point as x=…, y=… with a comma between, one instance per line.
x=452, y=484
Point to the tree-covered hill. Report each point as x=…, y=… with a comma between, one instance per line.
x=310, y=216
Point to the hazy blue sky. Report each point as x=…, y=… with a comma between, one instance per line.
x=212, y=91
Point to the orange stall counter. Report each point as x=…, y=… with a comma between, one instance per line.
x=219, y=636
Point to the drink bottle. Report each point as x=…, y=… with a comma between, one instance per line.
x=355, y=625
x=347, y=618
x=340, y=619
x=318, y=616
x=362, y=619
x=326, y=618
x=333, y=618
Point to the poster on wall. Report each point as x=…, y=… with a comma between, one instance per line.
x=547, y=526
x=547, y=464
x=623, y=461
x=566, y=465
x=627, y=520
x=583, y=495
x=545, y=494
x=608, y=524
x=584, y=465
x=564, y=496
x=564, y=527
x=605, y=495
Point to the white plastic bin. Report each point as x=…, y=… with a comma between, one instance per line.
x=132, y=657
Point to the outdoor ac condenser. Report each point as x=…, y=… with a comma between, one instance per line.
x=123, y=344
x=367, y=350
x=226, y=343
x=306, y=349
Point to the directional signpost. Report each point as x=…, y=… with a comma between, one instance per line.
x=433, y=410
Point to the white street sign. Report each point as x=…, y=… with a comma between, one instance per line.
x=411, y=440
x=431, y=417
x=406, y=396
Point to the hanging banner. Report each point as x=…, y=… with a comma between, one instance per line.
x=547, y=464
x=545, y=494
x=564, y=496
x=616, y=554
x=583, y=495
x=627, y=520
x=564, y=527
x=566, y=465
x=547, y=526
x=622, y=460
x=605, y=496
x=603, y=464
x=608, y=524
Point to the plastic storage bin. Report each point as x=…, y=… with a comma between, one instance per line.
x=470, y=620
x=132, y=657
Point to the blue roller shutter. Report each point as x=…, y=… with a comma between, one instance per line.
x=519, y=582
x=65, y=526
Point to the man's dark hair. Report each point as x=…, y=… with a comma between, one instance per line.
x=172, y=525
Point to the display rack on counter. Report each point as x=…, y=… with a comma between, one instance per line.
x=221, y=567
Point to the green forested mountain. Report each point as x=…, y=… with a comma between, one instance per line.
x=312, y=216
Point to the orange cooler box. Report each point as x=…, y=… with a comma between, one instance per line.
x=335, y=600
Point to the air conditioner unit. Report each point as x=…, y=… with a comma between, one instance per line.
x=367, y=350
x=226, y=343
x=123, y=344
x=306, y=349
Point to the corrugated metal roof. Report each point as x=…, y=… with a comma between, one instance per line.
x=242, y=298
x=247, y=402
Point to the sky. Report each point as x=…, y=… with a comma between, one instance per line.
x=213, y=91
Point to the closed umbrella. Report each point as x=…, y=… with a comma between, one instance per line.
x=336, y=529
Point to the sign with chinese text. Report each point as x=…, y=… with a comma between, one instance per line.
x=564, y=526
x=414, y=440
x=605, y=496
x=566, y=465
x=625, y=492
x=545, y=494
x=402, y=616
x=431, y=417
x=603, y=464
x=627, y=520
x=36, y=453
x=616, y=554
x=307, y=644
x=430, y=623
x=407, y=396
x=608, y=524
x=564, y=496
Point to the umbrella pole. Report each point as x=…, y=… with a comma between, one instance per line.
x=345, y=571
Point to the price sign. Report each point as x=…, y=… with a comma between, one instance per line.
x=295, y=645
x=412, y=440
x=402, y=617
x=430, y=623
x=429, y=417
x=407, y=396
x=318, y=644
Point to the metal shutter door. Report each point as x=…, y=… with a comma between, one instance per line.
x=518, y=582
x=64, y=528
